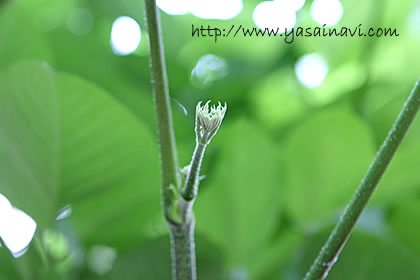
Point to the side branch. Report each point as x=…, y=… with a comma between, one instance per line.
x=191, y=184
x=335, y=243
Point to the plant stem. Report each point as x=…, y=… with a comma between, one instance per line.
x=330, y=251
x=191, y=184
x=181, y=233
x=183, y=250
x=169, y=160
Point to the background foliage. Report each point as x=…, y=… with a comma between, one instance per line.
x=78, y=130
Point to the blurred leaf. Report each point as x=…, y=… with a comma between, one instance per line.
x=275, y=256
x=153, y=261
x=20, y=38
x=403, y=67
x=339, y=81
x=239, y=205
x=364, y=257
x=381, y=108
x=405, y=222
x=29, y=138
x=27, y=267
x=402, y=178
x=125, y=78
x=7, y=269
x=278, y=88
x=327, y=157
x=110, y=169
x=75, y=145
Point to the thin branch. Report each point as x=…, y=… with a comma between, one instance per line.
x=331, y=250
x=169, y=160
x=191, y=184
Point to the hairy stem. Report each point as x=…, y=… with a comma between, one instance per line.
x=182, y=235
x=191, y=184
x=169, y=161
x=336, y=241
x=181, y=232
x=183, y=251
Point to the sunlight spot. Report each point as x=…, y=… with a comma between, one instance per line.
x=208, y=69
x=294, y=5
x=80, y=21
x=4, y=204
x=206, y=9
x=311, y=70
x=125, y=35
x=16, y=227
x=327, y=12
x=413, y=22
x=101, y=259
x=274, y=14
x=174, y=7
x=216, y=9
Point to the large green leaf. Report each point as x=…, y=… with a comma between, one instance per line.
x=65, y=141
x=29, y=133
x=364, y=257
x=327, y=157
x=239, y=204
x=110, y=168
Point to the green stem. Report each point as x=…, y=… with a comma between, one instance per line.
x=191, y=184
x=183, y=250
x=169, y=160
x=335, y=243
x=182, y=234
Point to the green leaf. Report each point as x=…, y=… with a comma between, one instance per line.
x=277, y=89
x=402, y=178
x=364, y=257
x=21, y=39
x=27, y=267
x=29, y=133
x=67, y=142
x=110, y=169
x=239, y=204
x=405, y=222
x=275, y=256
x=7, y=269
x=327, y=156
x=153, y=261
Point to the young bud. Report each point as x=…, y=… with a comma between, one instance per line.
x=208, y=121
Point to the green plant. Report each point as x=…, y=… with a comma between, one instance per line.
x=330, y=252
x=79, y=152
x=179, y=187
x=178, y=200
